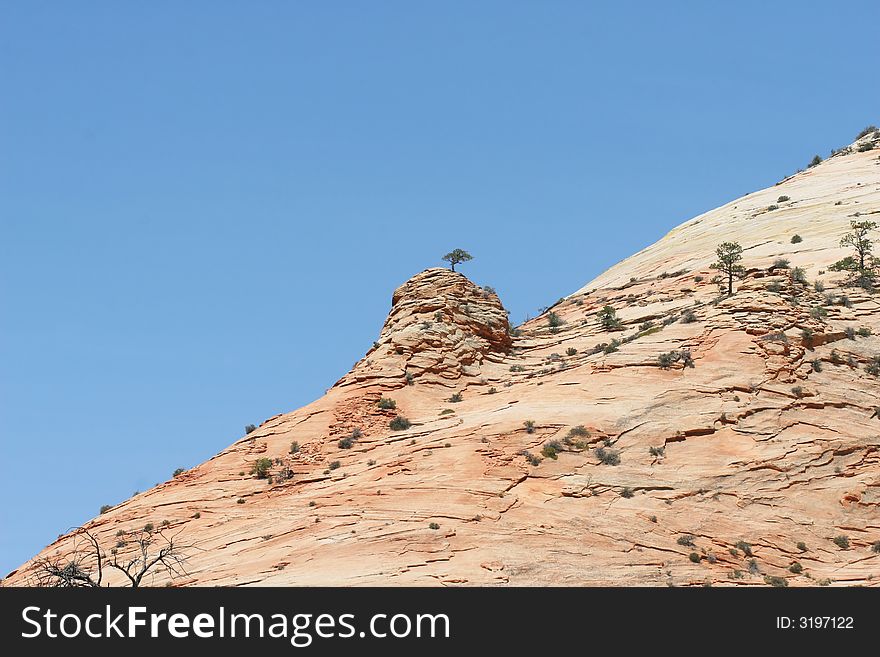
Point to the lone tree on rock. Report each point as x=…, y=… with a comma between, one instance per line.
x=729, y=254
x=457, y=256
x=861, y=265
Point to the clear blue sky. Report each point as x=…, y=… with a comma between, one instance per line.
x=205, y=206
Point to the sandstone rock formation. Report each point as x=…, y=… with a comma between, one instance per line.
x=742, y=453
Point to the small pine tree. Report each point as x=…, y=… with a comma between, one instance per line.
x=729, y=255
x=457, y=256
x=861, y=265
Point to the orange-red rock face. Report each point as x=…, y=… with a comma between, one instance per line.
x=770, y=439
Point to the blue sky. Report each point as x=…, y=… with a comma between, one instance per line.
x=205, y=206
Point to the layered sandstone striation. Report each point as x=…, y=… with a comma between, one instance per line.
x=744, y=429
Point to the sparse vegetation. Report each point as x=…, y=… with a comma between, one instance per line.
x=434, y=525
x=657, y=451
x=294, y=447
x=571, y=351
x=399, y=423
x=863, y=332
x=517, y=368
x=261, y=468
x=553, y=320
x=627, y=492
x=688, y=317
x=815, y=161
x=796, y=239
x=608, y=456
x=796, y=568
x=105, y=508
x=867, y=131
x=334, y=465
x=744, y=547
x=797, y=391
x=860, y=267
x=530, y=426
x=783, y=199
x=455, y=398
x=802, y=546
x=551, y=449
x=729, y=255
x=687, y=540
x=669, y=358
x=694, y=557
x=798, y=275
x=781, y=263
x=816, y=365
x=457, y=256
x=773, y=580
x=842, y=542
x=178, y=472
x=608, y=318
x=250, y=428
x=387, y=404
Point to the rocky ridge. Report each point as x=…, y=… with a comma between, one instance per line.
x=696, y=439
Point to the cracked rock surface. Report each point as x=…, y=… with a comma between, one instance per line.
x=747, y=451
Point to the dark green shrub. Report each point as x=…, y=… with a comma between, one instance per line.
x=178, y=472
x=819, y=286
x=867, y=131
x=608, y=318
x=149, y=527
x=410, y=379
x=688, y=317
x=783, y=199
x=387, y=404
x=842, y=542
x=797, y=391
x=294, y=447
x=770, y=208
x=492, y=390
x=772, y=580
x=249, y=428
x=657, y=451
x=399, y=423
x=798, y=275
x=693, y=556
x=753, y=567
x=553, y=320
x=608, y=456
x=530, y=426
x=816, y=364
x=611, y=347
x=802, y=546
x=456, y=397
x=850, y=332
x=549, y=451
x=863, y=332
x=816, y=160
x=796, y=568
x=686, y=540
x=240, y=500
x=627, y=492
x=781, y=263
x=434, y=525
x=745, y=547
x=571, y=351
x=334, y=465
x=867, y=146
x=875, y=547
x=261, y=468
x=517, y=368
x=105, y=508
x=796, y=239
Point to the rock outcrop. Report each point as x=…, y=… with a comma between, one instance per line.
x=697, y=439
x=441, y=326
